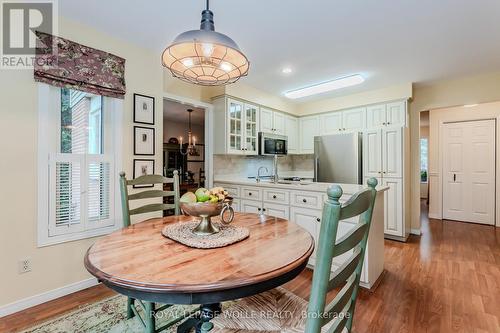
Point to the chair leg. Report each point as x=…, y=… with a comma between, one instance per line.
x=150, y=317
x=130, y=304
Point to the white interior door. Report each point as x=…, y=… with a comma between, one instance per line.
x=469, y=171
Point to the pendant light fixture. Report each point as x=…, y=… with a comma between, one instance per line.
x=205, y=57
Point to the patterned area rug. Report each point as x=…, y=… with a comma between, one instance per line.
x=105, y=316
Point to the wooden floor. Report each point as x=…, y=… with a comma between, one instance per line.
x=447, y=280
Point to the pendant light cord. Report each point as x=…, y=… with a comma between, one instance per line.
x=208, y=4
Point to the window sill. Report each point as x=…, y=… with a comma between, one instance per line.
x=46, y=240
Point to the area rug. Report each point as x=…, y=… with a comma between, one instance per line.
x=108, y=315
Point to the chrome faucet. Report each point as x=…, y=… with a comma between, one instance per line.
x=258, y=173
x=275, y=167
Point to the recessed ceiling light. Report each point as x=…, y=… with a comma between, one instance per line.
x=286, y=70
x=326, y=86
x=469, y=105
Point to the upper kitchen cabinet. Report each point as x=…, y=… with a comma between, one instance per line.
x=308, y=128
x=331, y=123
x=343, y=121
x=240, y=122
x=292, y=132
x=383, y=115
x=272, y=121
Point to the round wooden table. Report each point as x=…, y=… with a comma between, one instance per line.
x=141, y=263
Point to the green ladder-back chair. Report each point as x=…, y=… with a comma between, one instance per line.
x=149, y=308
x=336, y=316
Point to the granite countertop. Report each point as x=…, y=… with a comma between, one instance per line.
x=301, y=186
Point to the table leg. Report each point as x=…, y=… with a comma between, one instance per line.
x=207, y=312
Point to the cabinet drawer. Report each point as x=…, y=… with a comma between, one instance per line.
x=236, y=205
x=233, y=190
x=250, y=206
x=277, y=196
x=276, y=210
x=307, y=200
x=252, y=193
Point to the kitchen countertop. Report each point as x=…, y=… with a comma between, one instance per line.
x=302, y=186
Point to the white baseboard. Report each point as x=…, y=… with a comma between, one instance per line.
x=434, y=216
x=415, y=231
x=46, y=296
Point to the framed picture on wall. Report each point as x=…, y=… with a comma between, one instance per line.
x=144, y=140
x=143, y=168
x=144, y=109
x=199, y=155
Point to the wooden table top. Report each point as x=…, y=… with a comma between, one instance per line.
x=141, y=258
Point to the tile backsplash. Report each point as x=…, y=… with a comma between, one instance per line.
x=245, y=166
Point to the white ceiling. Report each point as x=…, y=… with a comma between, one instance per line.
x=177, y=112
x=387, y=41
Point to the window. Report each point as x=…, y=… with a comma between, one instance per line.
x=77, y=153
x=424, y=159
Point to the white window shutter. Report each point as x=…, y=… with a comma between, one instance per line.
x=100, y=190
x=66, y=194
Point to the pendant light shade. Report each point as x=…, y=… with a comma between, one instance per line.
x=204, y=56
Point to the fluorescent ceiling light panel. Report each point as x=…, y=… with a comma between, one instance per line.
x=326, y=86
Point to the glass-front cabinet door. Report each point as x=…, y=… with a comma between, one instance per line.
x=235, y=130
x=251, y=129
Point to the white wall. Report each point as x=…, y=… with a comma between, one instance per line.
x=438, y=117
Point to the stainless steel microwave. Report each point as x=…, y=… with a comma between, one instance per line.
x=272, y=144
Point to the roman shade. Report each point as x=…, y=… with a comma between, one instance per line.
x=64, y=63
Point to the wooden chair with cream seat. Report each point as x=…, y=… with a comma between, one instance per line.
x=148, y=308
x=288, y=309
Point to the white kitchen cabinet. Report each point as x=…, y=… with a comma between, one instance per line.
x=272, y=121
x=393, y=210
x=310, y=220
x=382, y=115
x=236, y=205
x=372, y=153
x=331, y=123
x=266, y=120
x=250, y=206
x=276, y=210
x=392, y=152
x=238, y=126
x=354, y=119
x=292, y=132
x=309, y=128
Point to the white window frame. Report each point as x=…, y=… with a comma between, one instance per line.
x=49, y=145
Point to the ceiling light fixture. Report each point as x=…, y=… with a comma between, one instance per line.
x=325, y=86
x=286, y=70
x=204, y=56
x=469, y=105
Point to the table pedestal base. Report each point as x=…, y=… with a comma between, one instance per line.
x=207, y=312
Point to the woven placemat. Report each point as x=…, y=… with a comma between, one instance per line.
x=182, y=232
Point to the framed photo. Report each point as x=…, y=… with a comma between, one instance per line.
x=144, y=109
x=144, y=140
x=199, y=156
x=142, y=168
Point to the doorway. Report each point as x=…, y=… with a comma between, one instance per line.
x=184, y=147
x=469, y=171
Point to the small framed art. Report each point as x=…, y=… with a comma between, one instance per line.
x=144, y=140
x=143, y=167
x=144, y=109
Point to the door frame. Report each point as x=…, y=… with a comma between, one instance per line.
x=497, y=165
x=209, y=131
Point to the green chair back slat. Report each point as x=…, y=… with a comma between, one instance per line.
x=356, y=205
x=362, y=204
x=151, y=208
x=151, y=194
x=340, y=300
x=350, y=240
x=150, y=179
x=148, y=194
x=346, y=270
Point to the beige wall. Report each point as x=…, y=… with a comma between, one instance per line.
x=437, y=118
x=58, y=265
x=447, y=93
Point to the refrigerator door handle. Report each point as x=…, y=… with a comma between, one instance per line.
x=316, y=165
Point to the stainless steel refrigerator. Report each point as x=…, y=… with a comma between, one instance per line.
x=338, y=158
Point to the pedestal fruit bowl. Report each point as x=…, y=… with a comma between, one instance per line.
x=204, y=204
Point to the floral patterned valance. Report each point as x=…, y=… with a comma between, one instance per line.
x=63, y=63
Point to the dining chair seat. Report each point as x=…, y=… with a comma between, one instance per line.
x=275, y=311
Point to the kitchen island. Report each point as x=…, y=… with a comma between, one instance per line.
x=302, y=203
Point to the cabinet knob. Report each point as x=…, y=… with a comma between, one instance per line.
x=384, y=123
x=258, y=209
x=318, y=219
x=304, y=200
x=263, y=209
x=343, y=129
x=384, y=172
x=250, y=193
x=388, y=123
x=274, y=196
